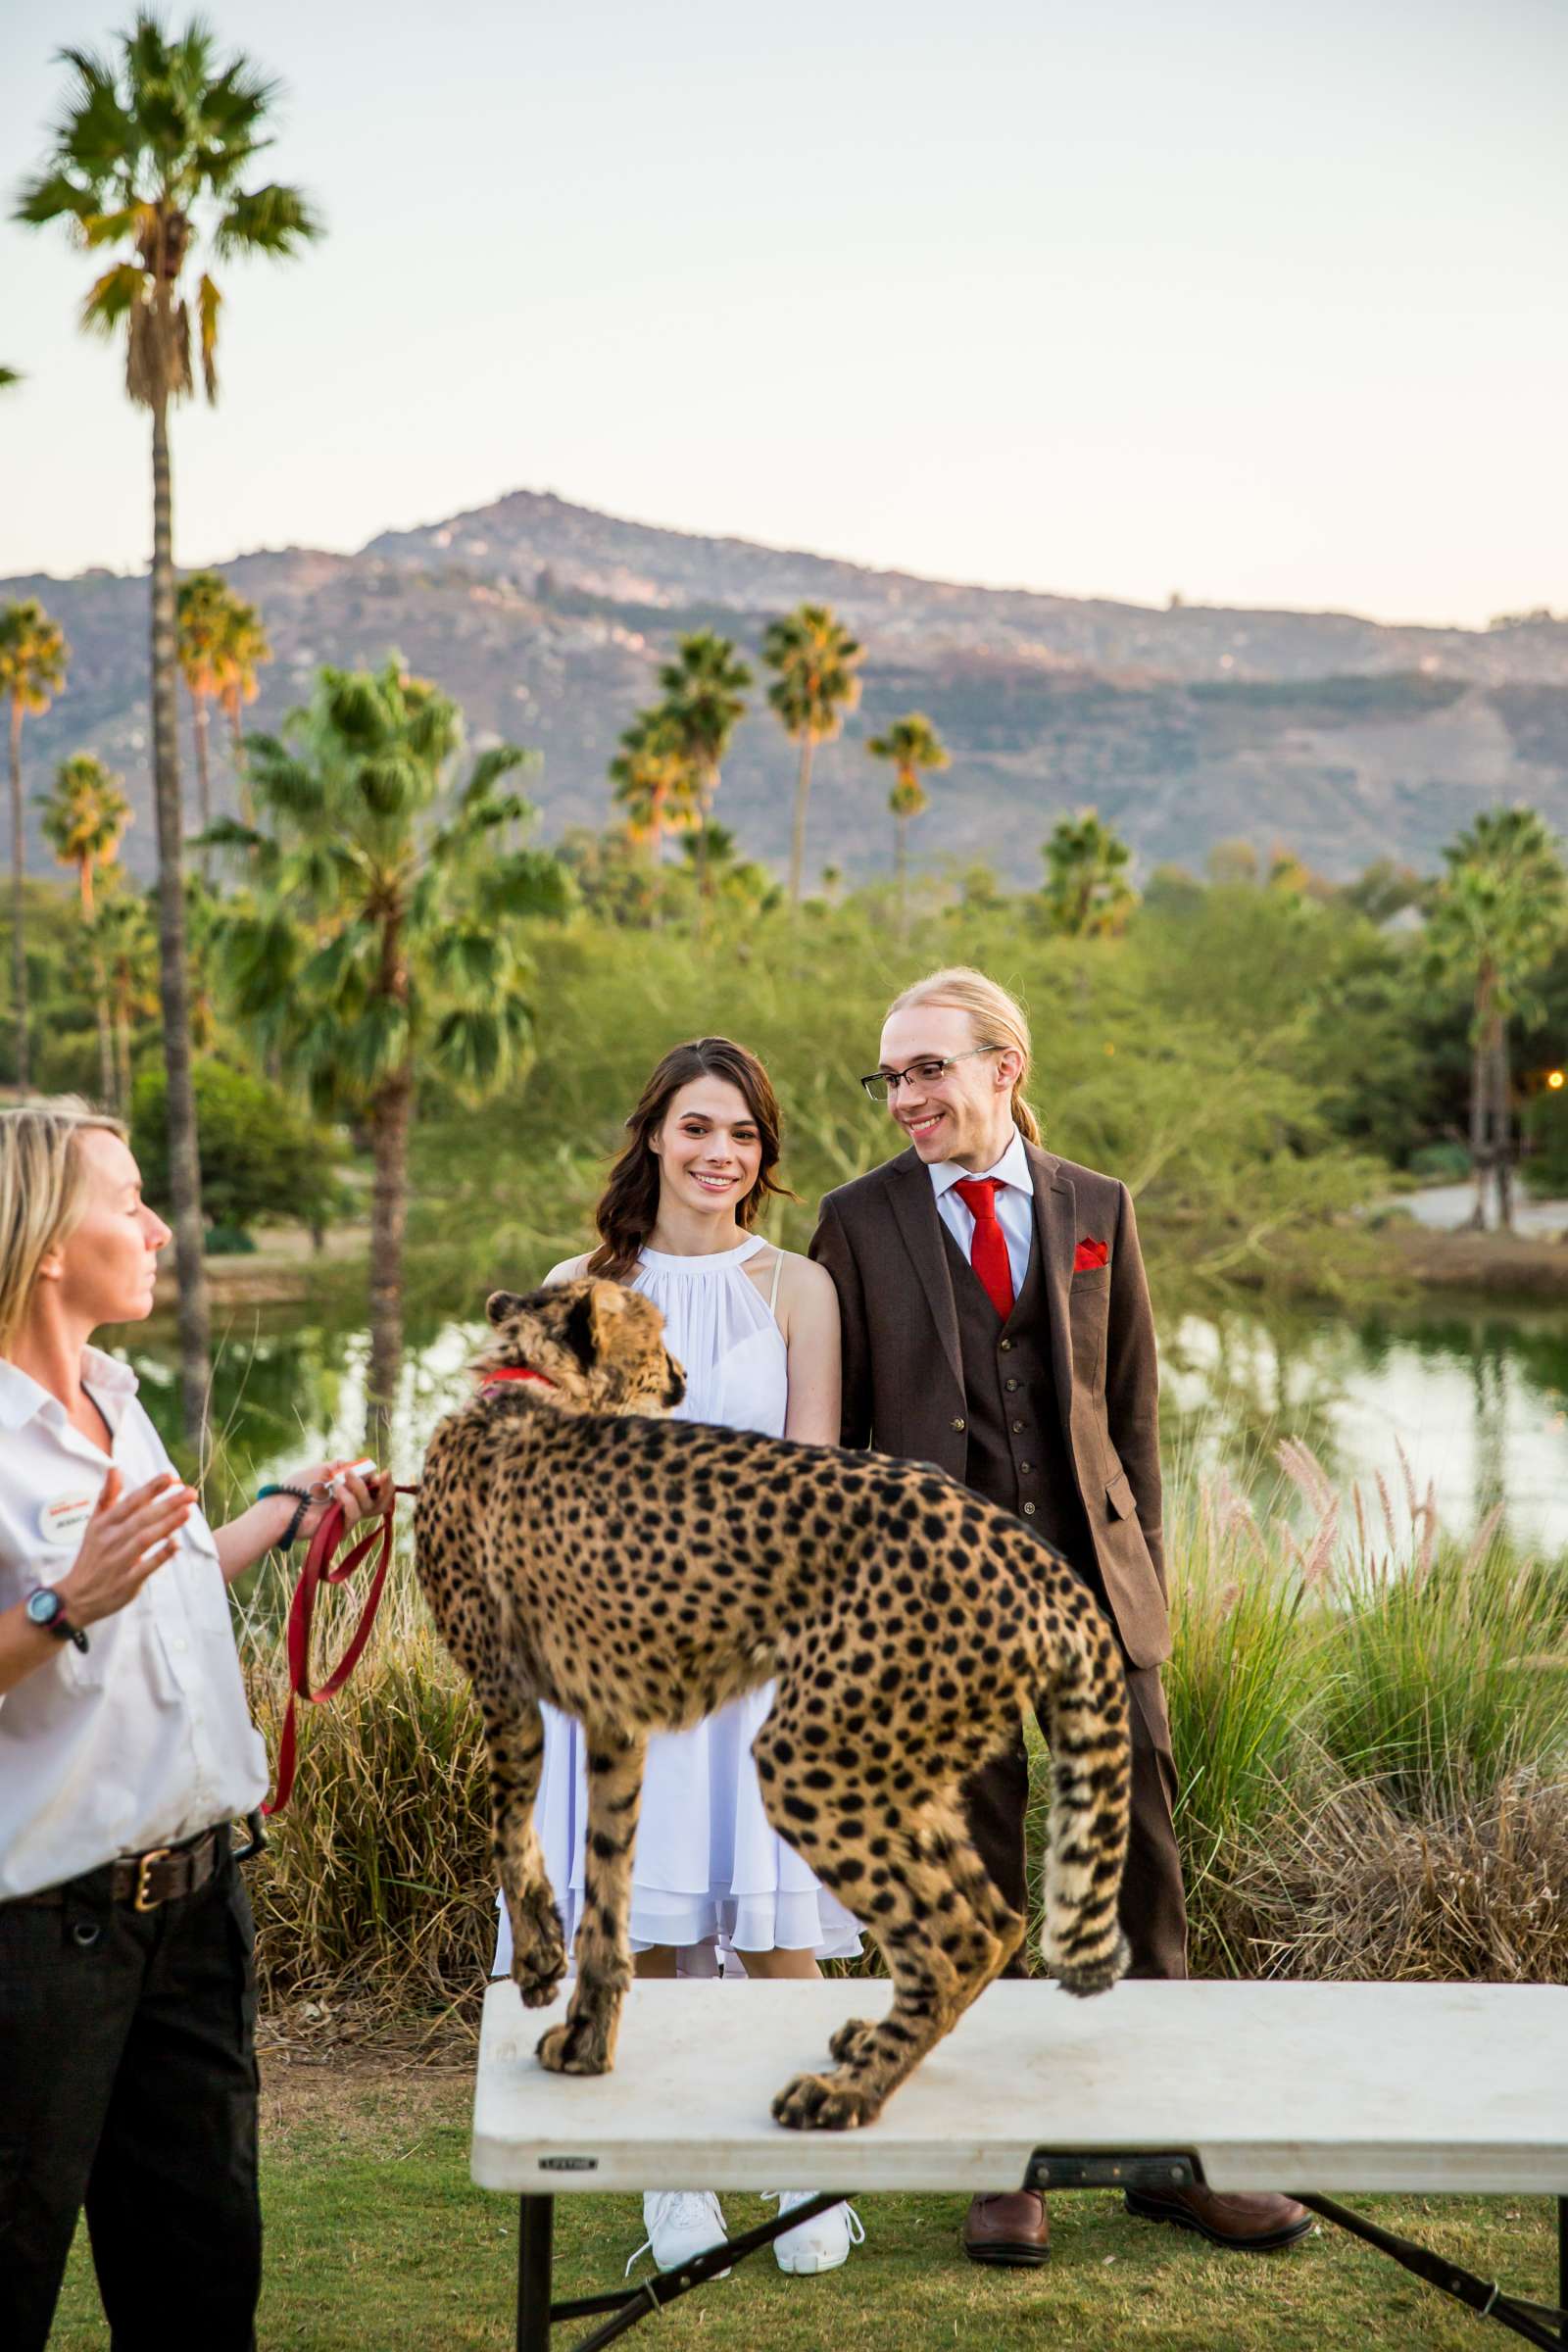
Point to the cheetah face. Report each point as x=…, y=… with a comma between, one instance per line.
x=601, y=1346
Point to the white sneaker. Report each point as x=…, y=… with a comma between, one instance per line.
x=681, y=2224
x=820, y=2245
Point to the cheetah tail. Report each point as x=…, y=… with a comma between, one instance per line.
x=1085, y=1706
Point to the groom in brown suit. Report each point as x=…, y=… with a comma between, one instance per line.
x=995, y=1321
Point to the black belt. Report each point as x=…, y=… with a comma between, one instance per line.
x=162, y=1875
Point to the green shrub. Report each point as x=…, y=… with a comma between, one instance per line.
x=1440, y=1163
x=260, y=1158
x=228, y=1241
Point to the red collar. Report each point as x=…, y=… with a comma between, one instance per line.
x=502, y=1372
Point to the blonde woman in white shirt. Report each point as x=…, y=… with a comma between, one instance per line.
x=126, y=1989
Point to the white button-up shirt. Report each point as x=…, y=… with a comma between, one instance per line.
x=1015, y=1204
x=147, y=1739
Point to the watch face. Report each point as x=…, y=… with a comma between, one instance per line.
x=44, y=1607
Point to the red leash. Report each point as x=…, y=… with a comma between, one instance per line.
x=321, y=1568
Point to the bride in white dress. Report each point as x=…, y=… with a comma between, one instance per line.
x=757, y=1332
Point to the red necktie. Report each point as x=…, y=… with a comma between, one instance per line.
x=988, y=1250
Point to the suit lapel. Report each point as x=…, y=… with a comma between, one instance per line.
x=914, y=1204
x=1056, y=1231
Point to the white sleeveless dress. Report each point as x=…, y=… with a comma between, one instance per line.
x=709, y=1869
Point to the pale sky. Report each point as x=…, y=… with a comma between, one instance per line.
x=1262, y=303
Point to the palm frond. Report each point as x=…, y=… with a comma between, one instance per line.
x=501, y=760
x=119, y=290
x=53, y=196
x=531, y=883
x=274, y=219
x=208, y=302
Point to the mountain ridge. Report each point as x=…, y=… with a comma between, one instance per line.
x=1349, y=738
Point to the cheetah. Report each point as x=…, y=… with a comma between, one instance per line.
x=576, y=1546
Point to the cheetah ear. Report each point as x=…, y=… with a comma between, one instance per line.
x=499, y=1304
x=587, y=1324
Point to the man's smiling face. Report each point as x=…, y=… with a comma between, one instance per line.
x=966, y=1112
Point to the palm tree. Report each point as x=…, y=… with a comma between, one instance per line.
x=151, y=145
x=738, y=881
x=704, y=688
x=911, y=744
x=125, y=946
x=33, y=654
x=386, y=940
x=652, y=781
x=816, y=660
x=1087, y=892
x=1498, y=915
x=84, y=819
x=244, y=647
x=201, y=617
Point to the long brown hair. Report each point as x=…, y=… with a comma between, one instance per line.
x=629, y=1202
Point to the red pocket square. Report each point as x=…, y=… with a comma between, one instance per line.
x=1089, y=1255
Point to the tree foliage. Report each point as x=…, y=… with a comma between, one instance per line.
x=148, y=156
x=1087, y=893
x=261, y=1159
x=84, y=819
x=817, y=663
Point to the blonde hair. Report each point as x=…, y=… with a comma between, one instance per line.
x=43, y=1192
x=994, y=1019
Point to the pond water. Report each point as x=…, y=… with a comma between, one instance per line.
x=1475, y=1397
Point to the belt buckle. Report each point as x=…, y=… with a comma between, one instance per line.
x=144, y=1899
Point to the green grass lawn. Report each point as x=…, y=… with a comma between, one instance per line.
x=377, y=2242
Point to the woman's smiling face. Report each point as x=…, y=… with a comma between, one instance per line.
x=709, y=1146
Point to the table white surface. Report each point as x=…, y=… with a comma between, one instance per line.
x=1292, y=2087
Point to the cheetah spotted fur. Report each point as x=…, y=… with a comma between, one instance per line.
x=577, y=1547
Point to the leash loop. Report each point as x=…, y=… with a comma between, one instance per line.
x=322, y=1568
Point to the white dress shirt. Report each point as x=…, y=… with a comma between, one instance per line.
x=1014, y=1202
x=147, y=1739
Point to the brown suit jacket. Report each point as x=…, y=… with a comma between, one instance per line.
x=880, y=1238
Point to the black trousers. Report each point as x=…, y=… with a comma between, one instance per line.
x=1153, y=1904
x=127, y=2086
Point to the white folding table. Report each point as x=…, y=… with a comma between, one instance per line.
x=1312, y=2089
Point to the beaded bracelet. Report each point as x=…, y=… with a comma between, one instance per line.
x=302, y=1500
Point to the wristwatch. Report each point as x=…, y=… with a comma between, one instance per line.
x=46, y=1608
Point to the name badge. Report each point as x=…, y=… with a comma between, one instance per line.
x=63, y=1522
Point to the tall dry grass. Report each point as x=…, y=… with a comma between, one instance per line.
x=1370, y=1725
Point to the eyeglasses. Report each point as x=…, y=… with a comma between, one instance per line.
x=883, y=1085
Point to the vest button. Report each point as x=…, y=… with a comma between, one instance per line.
x=1006, y=1344
x=1026, y=1468
x=1011, y=1384
x=958, y=1421
x=1017, y=1428
x=1028, y=1510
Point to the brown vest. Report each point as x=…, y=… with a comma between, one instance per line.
x=1017, y=1452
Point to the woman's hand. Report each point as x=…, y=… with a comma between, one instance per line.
x=128, y=1537
x=369, y=1496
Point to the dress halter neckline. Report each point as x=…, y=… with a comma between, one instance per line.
x=712, y=1261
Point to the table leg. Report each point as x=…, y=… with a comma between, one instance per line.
x=535, y=2262
x=1562, y=2264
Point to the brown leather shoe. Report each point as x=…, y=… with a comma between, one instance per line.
x=1251, y=2224
x=1013, y=2230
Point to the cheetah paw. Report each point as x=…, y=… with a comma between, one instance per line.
x=576, y=2047
x=538, y=1975
x=824, y=2103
